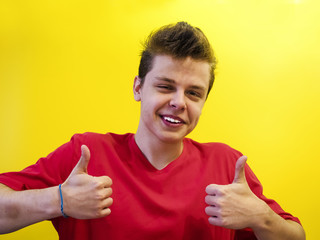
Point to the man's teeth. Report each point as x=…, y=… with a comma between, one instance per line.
x=169, y=119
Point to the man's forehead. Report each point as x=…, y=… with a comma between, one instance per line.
x=168, y=68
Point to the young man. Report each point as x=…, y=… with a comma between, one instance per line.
x=164, y=186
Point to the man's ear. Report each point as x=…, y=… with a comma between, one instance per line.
x=137, y=88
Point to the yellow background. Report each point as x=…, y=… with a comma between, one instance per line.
x=68, y=66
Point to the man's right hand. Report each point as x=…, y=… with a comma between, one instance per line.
x=85, y=196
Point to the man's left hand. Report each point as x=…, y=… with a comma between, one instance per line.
x=235, y=206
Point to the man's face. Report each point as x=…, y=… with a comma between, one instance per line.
x=172, y=97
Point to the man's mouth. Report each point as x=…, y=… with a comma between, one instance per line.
x=173, y=119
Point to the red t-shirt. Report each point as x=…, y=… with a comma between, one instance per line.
x=148, y=203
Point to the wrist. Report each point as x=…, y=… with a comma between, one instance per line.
x=264, y=219
x=53, y=205
x=61, y=202
x=272, y=226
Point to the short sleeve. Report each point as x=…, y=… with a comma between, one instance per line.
x=46, y=172
x=257, y=189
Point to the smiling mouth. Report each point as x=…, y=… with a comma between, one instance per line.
x=172, y=120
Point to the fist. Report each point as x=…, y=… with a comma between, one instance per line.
x=86, y=196
x=234, y=206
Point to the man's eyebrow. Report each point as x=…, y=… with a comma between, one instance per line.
x=197, y=87
x=165, y=79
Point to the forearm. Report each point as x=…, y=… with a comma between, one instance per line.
x=19, y=209
x=274, y=227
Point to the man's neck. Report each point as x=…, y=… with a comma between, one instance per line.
x=159, y=153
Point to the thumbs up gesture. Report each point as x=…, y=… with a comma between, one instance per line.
x=85, y=196
x=235, y=206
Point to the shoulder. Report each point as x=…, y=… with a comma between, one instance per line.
x=100, y=142
x=96, y=138
x=216, y=148
x=218, y=158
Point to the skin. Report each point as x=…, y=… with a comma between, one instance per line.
x=19, y=209
x=235, y=206
x=173, y=90
x=172, y=98
x=177, y=88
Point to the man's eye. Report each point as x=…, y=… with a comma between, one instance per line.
x=165, y=87
x=194, y=94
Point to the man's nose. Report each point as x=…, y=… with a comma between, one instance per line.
x=178, y=101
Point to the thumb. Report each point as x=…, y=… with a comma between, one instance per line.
x=239, y=175
x=82, y=165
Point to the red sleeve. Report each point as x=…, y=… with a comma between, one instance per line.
x=46, y=172
x=257, y=189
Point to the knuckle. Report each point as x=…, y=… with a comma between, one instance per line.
x=222, y=202
x=99, y=196
x=108, y=180
x=210, y=189
x=106, y=212
x=96, y=184
x=102, y=194
x=214, y=220
x=223, y=222
x=223, y=191
x=109, y=202
x=105, y=181
x=209, y=211
x=217, y=203
x=208, y=200
x=109, y=192
x=223, y=214
x=218, y=212
x=97, y=213
x=106, y=203
x=102, y=182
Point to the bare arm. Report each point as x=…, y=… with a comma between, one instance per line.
x=19, y=209
x=274, y=227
